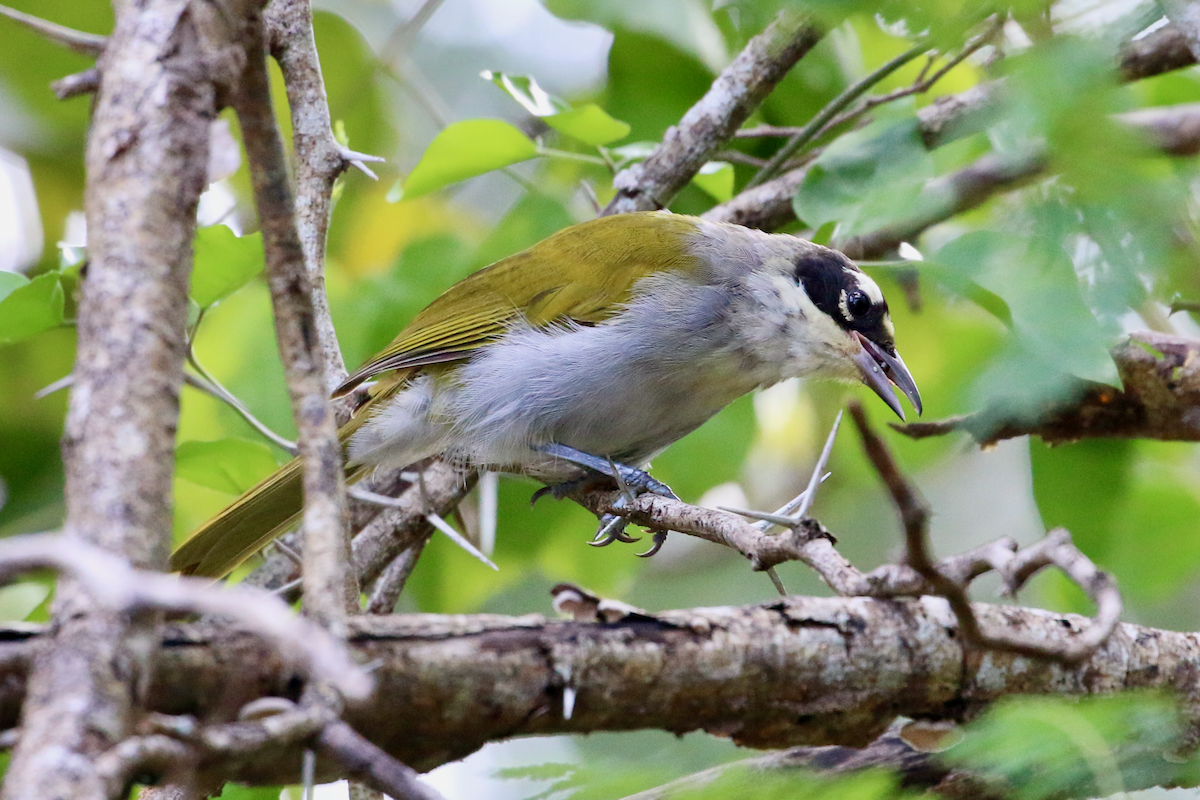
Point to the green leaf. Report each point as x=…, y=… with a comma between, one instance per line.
x=224, y=263
x=716, y=178
x=867, y=179
x=10, y=282
x=18, y=600
x=32, y=308
x=589, y=124
x=466, y=149
x=1096, y=746
x=1055, y=334
x=227, y=465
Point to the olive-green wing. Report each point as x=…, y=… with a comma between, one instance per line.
x=583, y=274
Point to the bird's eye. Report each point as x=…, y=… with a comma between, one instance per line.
x=858, y=303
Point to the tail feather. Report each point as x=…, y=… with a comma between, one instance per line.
x=245, y=527
x=267, y=510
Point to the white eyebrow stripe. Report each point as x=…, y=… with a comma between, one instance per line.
x=869, y=286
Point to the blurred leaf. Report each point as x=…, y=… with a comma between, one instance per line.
x=947, y=22
x=224, y=263
x=589, y=124
x=866, y=179
x=11, y=281
x=716, y=178
x=236, y=791
x=1055, y=334
x=19, y=600
x=227, y=465
x=466, y=149
x=1155, y=549
x=651, y=82
x=1086, y=747
x=686, y=24
x=32, y=308
x=952, y=280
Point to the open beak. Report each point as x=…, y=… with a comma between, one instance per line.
x=880, y=370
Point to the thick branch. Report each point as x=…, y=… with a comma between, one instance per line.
x=162, y=75
x=330, y=587
x=795, y=671
x=709, y=124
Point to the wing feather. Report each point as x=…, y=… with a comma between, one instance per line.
x=591, y=270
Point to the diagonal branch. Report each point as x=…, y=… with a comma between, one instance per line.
x=88, y=44
x=712, y=121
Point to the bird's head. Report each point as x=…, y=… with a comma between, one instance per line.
x=812, y=311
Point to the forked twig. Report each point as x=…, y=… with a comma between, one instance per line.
x=1055, y=549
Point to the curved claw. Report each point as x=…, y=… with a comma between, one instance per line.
x=660, y=537
x=612, y=529
x=539, y=494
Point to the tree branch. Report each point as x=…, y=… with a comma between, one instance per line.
x=163, y=73
x=1056, y=549
x=797, y=670
x=330, y=588
x=1159, y=400
x=769, y=206
x=712, y=121
x=320, y=159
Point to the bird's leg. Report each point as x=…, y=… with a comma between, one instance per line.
x=631, y=481
x=636, y=479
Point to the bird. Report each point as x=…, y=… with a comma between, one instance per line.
x=584, y=356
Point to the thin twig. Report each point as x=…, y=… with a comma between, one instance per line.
x=365, y=761
x=433, y=517
x=88, y=44
x=809, y=131
x=922, y=84
x=209, y=385
x=86, y=82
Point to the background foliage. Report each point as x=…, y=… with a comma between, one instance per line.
x=1071, y=261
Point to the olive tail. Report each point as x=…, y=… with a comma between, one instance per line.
x=264, y=512
x=245, y=527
